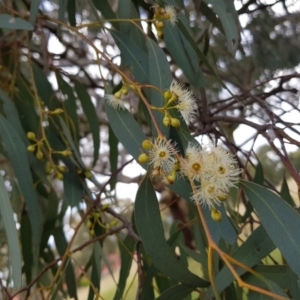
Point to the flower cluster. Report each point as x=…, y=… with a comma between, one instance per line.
x=213, y=169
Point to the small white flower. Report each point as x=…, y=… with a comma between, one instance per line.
x=208, y=194
x=222, y=167
x=186, y=101
x=170, y=14
x=193, y=165
x=162, y=155
x=115, y=102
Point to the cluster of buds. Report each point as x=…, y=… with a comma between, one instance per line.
x=37, y=146
x=84, y=173
x=56, y=169
x=94, y=222
x=161, y=14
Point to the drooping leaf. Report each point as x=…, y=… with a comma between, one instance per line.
x=96, y=271
x=113, y=155
x=34, y=9
x=70, y=107
x=61, y=245
x=71, y=7
x=127, y=249
x=285, y=193
x=11, y=114
x=184, y=55
x=259, y=174
x=279, y=219
x=7, y=216
x=14, y=23
x=150, y=229
x=62, y=10
x=27, y=253
x=17, y=154
x=160, y=77
x=92, y=118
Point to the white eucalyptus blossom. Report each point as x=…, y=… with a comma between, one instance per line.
x=186, y=101
x=115, y=102
x=162, y=155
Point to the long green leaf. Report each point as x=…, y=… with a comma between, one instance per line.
x=280, y=220
x=11, y=22
x=34, y=9
x=11, y=113
x=11, y=234
x=70, y=107
x=17, y=154
x=92, y=118
x=226, y=13
x=71, y=7
x=160, y=76
x=150, y=229
x=184, y=55
x=127, y=249
x=113, y=155
x=96, y=271
x=126, y=129
x=61, y=245
x=285, y=193
x=133, y=56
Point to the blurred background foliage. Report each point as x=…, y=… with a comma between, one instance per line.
x=67, y=204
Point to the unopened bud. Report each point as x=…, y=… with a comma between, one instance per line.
x=88, y=174
x=222, y=197
x=30, y=148
x=171, y=178
x=62, y=169
x=92, y=232
x=167, y=95
x=124, y=90
x=57, y=111
x=159, y=25
x=216, y=215
x=118, y=95
x=105, y=207
x=39, y=155
x=89, y=224
x=175, y=122
x=160, y=34
x=48, y=169
x=167, y=121
x=60, y=176
x=146, y=144
x=143, y=158
x=114, y=222
x=66, y=153
x=31, y=136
